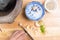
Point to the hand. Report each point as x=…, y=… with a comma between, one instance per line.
x=19, y=35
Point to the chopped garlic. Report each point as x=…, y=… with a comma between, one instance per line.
x=28, y=27
x=36, y=24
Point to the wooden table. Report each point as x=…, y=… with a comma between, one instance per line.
x=51, y=21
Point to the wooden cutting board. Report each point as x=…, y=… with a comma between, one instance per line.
x=51, y=21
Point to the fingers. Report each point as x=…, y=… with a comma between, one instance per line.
x=23, y=37
x=19, y=35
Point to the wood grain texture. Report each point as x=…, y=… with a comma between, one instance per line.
x=51, y=20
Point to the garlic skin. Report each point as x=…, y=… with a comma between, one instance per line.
x=37, y=24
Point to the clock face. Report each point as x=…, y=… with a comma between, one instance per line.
x=34, y=11
x=3, y=4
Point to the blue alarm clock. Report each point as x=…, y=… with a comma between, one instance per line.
x=34, y=11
